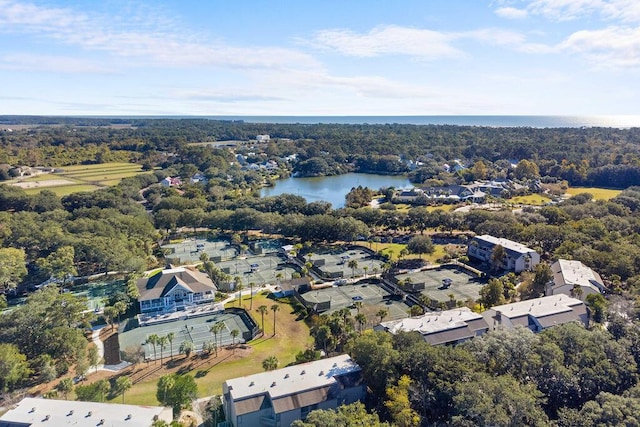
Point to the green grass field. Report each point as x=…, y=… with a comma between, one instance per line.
x=292, y=336
x=598, y=193
x=393, y=250
x=86, y=177
x=531, y=199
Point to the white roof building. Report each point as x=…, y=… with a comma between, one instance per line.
x=282, y=396
x=442, y=327
x=538, y=314
x=32, y=412
x=518, y=257
x=568, y=274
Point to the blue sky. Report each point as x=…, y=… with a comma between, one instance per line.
x=348, y=57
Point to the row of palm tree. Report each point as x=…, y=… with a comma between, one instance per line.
x=162, y=341
x=264, y=310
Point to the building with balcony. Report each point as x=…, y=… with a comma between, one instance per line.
x=517, y=257
x=174, y=289
x=575, y=279
x=278, y=398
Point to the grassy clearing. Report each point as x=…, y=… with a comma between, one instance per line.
x=393, y=250
x=86, y=177
x=444, y=208
x=292, y=336
x=531, y=199
x=598, y=193
x=64, y=190
x=38, y=178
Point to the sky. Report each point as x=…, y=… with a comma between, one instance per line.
x=311, y=57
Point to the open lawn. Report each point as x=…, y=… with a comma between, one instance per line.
x=292, y=336
x=598, y=193
x=393, y=249
x=81, y=178
x=443, y=208
x=531, y=199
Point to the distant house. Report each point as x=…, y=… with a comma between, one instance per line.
x=198, y=177
x=278, y=398
x=174, y=289
x=287, y=288
x=171, y=182
x=408, y=196
x=517, y=256
x=567, y=275
x=443, y=327
x=263, y=138
x=32, y=412
x=538, y=314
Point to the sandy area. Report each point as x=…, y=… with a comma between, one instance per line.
x=45, y=183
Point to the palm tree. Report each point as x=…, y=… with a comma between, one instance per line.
x=365, y=268
x=382, y=314
x=274, y=308
x=162, y=341
x=251, y=284
x=358, y=305
x=263, y=310
x=234, y=334
x=123, y=384
x=186, y=347
x=170, y=337
x=153, y=340
x=270, y=363
x=215, y=329
x=239, y=287
x=166, y=383
x=353, y=264
x=361, y=319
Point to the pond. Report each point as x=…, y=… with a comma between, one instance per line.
x=333, y=189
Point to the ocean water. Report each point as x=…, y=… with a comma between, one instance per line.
x=619, y=121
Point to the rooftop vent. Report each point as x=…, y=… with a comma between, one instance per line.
x=70, y=413
x=251, y=384
x=303, y=372
x=273, y=384
x=101, y=422
x=32, y=409
x=128, y=417
x=286, y=376
x=321, y=373
x=46, y=418
x=89, y=413
x=335, y=365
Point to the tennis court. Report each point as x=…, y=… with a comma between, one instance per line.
x=462, y=284
x=189, y=250
x=335, y=263
x=97, y=292
x=196, y=330
x=257, y=269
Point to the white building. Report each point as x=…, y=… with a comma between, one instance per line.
x=277, y=398
x=442, y=327
x=517, y=256
x=570, y=274
x=32, y=412
x=538, y=314
x=263, y=138
x=174, y=289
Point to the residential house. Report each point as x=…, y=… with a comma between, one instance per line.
x=171, y=182
x=263, y=138
x=278, y=398
x=174, y=289
x=569, y=276
x=517, y=256
x=442, y=327
x=37, y=412
x=538, y=314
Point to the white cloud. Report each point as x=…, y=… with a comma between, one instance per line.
x=48, y=63
x=388, y=40
x=512, y=13
x=612, y=47
x=158, y=39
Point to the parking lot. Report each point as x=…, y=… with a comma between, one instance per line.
x=463, y=284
